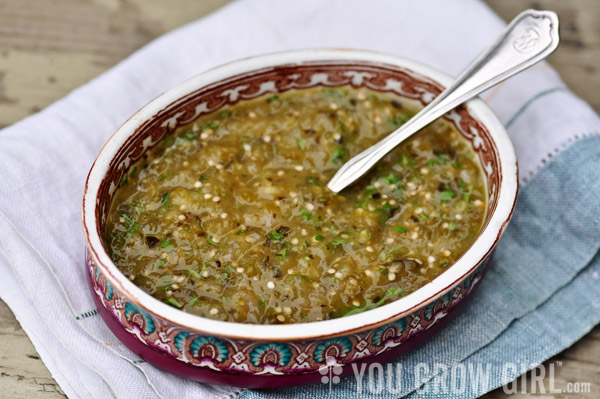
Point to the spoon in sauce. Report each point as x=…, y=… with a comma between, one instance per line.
x=528, y=39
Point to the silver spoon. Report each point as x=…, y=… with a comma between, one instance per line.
x=528, y=39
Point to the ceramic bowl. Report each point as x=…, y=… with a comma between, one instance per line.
x=281, y=355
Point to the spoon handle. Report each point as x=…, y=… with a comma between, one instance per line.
x=528, y=39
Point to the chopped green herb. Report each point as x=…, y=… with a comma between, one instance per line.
x=394, y=291
x=466, y=189
x=319, y=237
x=160, y=263
x=173, y=302
x=338, y=241
x=338, y=155
x=131, y=227
x=195, y=274
x=311, y=180
x=275, y=236
x=301, y=144
x=384, y=255
x=383, y=271
x=342, y=126
x=305, y=214
x=261, y=303
x=237, y=233
x=213, y=125
x=447, y=195
x=282, y=253
x=137, y=208
x=193, y=301
x=165, y=244
x=273, y=98
x=451, y=226
x=403, y=118
x=400, y=229
x=127, y=218
x=190, y=135
x=164, y=200
x=211, y=242
x=390, y=179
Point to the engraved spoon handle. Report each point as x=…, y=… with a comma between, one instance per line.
x=528, y=39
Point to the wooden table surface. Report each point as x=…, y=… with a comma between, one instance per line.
x=50, y=47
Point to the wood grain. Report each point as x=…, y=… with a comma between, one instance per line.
x=50, y=47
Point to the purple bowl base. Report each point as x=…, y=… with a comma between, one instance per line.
x=172, y=365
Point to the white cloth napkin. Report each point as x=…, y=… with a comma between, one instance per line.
x=45, y=158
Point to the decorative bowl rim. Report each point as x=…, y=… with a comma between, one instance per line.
x=385, y=314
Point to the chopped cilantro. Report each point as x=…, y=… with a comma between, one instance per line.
x=193, y=301
x=389, y=252
x=319, y=237
x=338, y=241
x=273, y=98
x=165, y=244
x=190, y=135
x=164, y=200
x=173, y=302
x=338, y=155
x=466, y=189
x=160, y=263
x=390, y=179
x=131, y=227
x=211, y=242
x=301, y=144
x=305, y=214
x=195, y=274
x=395, y=291
x=282, y=253
x=275, y=236
x=400, y=229
x=451, y=226
x=447, y=195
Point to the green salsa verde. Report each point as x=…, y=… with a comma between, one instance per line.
x=230, y=217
